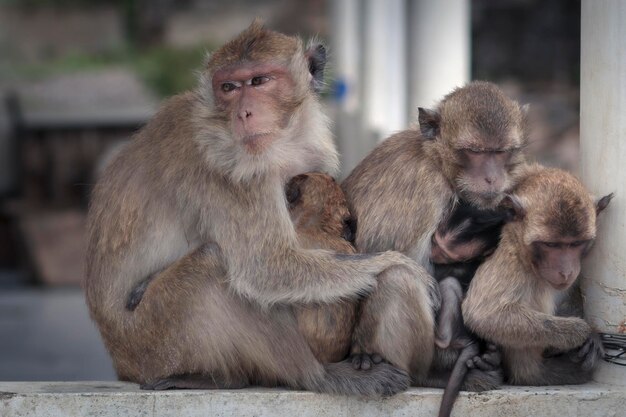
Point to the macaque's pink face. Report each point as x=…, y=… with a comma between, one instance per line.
x=257, y=97
x=559, y=262
x=485, y=172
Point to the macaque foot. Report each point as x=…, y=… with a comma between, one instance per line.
x=485, y=370
x=365, y=361
x=589, y=353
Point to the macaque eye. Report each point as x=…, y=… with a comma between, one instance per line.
x=227, y=87
x=473, y=151
x=550, y=244
x=259, y=80
x=578, y=244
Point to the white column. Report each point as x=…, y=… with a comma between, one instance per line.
x=439, y=49
x=385, y=66
x=603, y=165
x=346, y=56
x=345, y=52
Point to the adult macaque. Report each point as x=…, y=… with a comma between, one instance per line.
x=512, y=298
x=197, y=201
x=470, y=147
x=322, y=220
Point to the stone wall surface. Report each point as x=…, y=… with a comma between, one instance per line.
x=104, y=399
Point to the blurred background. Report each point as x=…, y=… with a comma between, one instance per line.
x=79, y=77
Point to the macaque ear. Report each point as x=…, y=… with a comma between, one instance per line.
x=316, y=55
x=429, y=123
x=513, y=206
x=293, y=189
x=602, y=203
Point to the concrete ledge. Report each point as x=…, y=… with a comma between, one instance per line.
x=104, y=399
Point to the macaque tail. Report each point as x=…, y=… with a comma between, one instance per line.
x=457, y=376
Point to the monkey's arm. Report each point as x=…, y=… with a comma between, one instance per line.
x=320, y=276
x=575, y=367
x=266, y=263
x=518, y=326
x=531, y=367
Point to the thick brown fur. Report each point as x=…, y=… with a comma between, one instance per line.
x=511, y=304
x=403, y=189
x=417, y=178
x=202, y=209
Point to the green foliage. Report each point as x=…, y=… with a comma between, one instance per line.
x=168, y=71
x=165, y=70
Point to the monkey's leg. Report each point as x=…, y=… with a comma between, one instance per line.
x=449, y=320
x=397, y=322
x=528, y=367
x=199, y=333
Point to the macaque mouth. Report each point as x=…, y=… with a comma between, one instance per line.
x=556, y=283
x=559, y=286
x=488, y=195
x=257, y=141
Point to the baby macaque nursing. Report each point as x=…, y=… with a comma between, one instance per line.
x=194, y=208
x=221, y=249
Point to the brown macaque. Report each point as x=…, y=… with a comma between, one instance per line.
x=322, y=220
x=512, y=299
x=197, y=201
x=470, y=148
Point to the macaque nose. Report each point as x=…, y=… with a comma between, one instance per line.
x=490, y=180
x=566, y=276
x=244, y=114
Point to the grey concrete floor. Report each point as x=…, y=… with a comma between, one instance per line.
x=47, y=335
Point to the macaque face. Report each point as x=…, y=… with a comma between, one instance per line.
x=558, y=262
x=257, y=99
x=485, y=173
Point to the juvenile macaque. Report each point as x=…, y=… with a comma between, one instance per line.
x=320, y=214
x=512, y=299
x=197, y=201
x=470, y=148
